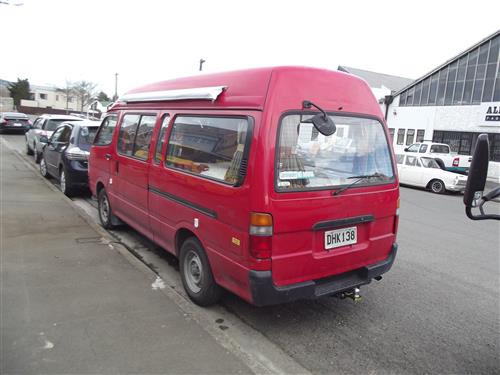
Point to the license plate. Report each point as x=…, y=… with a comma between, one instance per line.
x=18, y=124
x=340, y=237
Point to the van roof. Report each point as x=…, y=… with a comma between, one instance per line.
x=249, y=88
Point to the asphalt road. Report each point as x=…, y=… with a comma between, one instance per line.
x=436, y=311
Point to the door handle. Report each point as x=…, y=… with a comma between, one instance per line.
x=107, y=156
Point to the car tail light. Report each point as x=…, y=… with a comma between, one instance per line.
x=261, y=232
x=456, y=161
x=75, y=153
x=3, y=122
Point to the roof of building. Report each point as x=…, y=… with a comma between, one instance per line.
x=447, y=62
x=377, y=80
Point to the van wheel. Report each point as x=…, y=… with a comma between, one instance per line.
x=196, y=274
x=106, y=216
x=437, y=186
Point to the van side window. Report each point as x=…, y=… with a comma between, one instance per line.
x=126, y=135
x=161, y=138
x=211, y=147
x=143, y=137
x=106, y=130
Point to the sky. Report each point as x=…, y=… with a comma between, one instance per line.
x=51, y=42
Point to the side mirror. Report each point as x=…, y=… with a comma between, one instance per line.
x=476, y=181
x=406, y=148
x=44, y=139
x=324, y=124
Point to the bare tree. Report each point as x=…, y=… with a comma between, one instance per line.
x=67, y=91
x=84, y=92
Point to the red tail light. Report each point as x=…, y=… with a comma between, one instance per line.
x=261, y=232
x=3, y=122
x=456, y=161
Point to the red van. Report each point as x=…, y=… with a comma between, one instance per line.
x=276, y=184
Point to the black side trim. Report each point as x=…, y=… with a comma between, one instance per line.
x=184, y=202
x=323, y=225
x=264, y=292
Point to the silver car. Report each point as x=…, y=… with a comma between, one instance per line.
x=44, y=126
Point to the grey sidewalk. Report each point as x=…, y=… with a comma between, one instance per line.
x=70, y=303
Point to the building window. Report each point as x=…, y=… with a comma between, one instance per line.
x=401, y=136
x=391, y=134
x=477, y=92
x=450, y=84
x=420, y=135
x=443, y=77
x=425, y=91
x=70, y=99
x=418, y=92
x=433, y=88
x=43, y=96
x=491, y=70
x=410, y=136
x=402, y=99
x=57, y=98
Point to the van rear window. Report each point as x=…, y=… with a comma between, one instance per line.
x=211, y=147
x=308, y=160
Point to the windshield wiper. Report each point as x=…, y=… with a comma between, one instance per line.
x=359, y=178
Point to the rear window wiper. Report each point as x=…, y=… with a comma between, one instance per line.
x=358, y=179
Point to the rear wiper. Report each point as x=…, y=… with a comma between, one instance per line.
x=359, y=178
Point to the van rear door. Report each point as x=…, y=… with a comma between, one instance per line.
x=335, y=200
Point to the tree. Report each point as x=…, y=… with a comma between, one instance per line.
x=103, y=97
x=19, y=90
x=84, y=91
x=67, y=91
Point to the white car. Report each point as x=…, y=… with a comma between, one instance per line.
x=442, y=153
x=424, y=171
x=44, y=126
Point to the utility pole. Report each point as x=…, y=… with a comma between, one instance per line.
x=201, y=64
x=116, y=87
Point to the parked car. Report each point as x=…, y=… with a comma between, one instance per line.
x=44, y=126
x=14, y=122
x=444, y=157
x=65, y=155
x=424, y=171
x=208, y=168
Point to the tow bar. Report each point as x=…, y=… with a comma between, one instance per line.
x=352, y=294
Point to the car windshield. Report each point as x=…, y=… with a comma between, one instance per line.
x=308, y=160
x=52, y=124
x=86, y=136
x=429, y=163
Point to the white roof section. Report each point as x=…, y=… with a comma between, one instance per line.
x=199, y=93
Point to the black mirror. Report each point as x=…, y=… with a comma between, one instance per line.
x=44, y=139
x=478, y=171
x=406, y=148
x=473, y=196
x=322, y=122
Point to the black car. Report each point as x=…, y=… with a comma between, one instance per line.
x=14, y=122
x=65, y=156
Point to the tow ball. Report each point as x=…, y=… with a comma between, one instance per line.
x=352, y=294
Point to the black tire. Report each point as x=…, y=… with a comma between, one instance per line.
x=29, y=151
x=196, y=274
x=106, y=215
x=65, y=183
x=43, y=168
x=437, y=186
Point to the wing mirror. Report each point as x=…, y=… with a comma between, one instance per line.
x=476, y=181
x=44, y=139
x=406, y=148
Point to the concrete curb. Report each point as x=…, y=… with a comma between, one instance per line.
x=250, y=346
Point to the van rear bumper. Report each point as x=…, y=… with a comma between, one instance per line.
x=264, y=292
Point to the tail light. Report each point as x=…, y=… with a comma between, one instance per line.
x=261, y=232
x=3, y=122
x=456, y=161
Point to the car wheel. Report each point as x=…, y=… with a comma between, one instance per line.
x=43, y=168
x=196, y=274
x=106, y=215
x=65, y=183
x=29, y=151
x=437, y=186
x=36, y=153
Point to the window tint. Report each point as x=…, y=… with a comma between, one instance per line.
x=105, y=133
x=38, y=123
x=52, y=124
x=411, y=160
x=56, y=135
x=143, y=137
x=66, y=134
x=161, y=138
x=126, y=136
x=86, y=136
x=423, y=148
x=441, y=149
x=212, y=147
x=400, y=158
